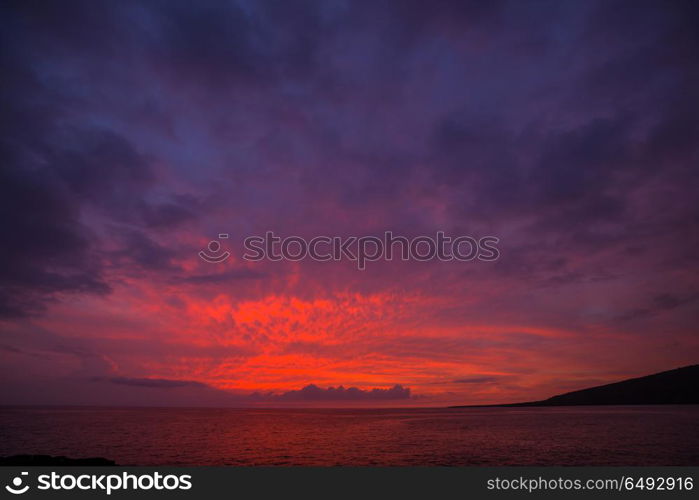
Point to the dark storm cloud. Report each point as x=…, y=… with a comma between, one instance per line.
x=45, y=248
x=310, y=393
x=54, y=166
x=659, y=304
x=11, y=349
x=476, y=380
x=222, y=43
x=100, y=166
x=172, y=213
x=574, y=175
x=140, y=251
x=148, y=392
x=314, y=393
x=155, y=383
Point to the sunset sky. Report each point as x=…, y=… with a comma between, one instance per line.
x=133, y=133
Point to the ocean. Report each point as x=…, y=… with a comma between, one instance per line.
x=609, y=435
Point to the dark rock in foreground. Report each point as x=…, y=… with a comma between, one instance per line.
x=47, y=460
x=673, y=387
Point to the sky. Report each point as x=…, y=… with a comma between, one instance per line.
x=135, y=132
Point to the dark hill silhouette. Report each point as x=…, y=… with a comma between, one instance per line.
x=678, y=386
